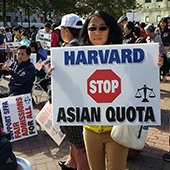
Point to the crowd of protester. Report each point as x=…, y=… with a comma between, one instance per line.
x=84, y=154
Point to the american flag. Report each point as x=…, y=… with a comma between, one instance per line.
x=39, y=64
x=8, y=62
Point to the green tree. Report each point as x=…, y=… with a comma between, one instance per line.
x=116, y=8
x=53, y=8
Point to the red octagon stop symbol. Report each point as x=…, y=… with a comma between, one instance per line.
x=104, y=86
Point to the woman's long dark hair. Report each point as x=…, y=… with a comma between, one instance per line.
x=164, y=19
x=115, y=32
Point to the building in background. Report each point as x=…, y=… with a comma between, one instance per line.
x=153, y=10
x=19, y=17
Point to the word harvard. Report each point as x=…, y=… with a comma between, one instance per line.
x=110, y=56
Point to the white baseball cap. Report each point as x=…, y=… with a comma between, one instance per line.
x=71, y=20
x=2, y=28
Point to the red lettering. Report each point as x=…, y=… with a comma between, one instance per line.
x=19, y=99
x=22, y=118
x=16, y=125
x=25, y=133
x=21, y=113
x=43, y=116
x=17, y=132
x=29, y=113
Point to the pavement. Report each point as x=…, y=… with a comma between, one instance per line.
x=43, y=153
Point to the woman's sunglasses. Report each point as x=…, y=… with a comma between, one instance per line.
x=102, y=28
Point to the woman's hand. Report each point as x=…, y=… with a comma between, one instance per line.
x=51, y=70
x=160, y=61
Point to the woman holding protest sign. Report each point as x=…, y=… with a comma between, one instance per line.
x=103, y=152
x=100, y=28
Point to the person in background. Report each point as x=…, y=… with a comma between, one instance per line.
x=142, y=30
x=24, y=37
x=46, y=30
x=56, y=40
x=22, y=73
x=2, y=29
x=137, y=30
x=8, y=34
x=128, y=33
x=17, y=33
x=41, y=50
x=34, y=32
x=2, y=51
x=21, y=28
x=164, y=32
x=8, y=39
x=34, y=49
x=122, y=21
x=168, y=18
x=153, y=37
x=71, y=25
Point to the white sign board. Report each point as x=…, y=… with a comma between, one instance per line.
x=106, y=85
x=13, y=46
x=137, y=17
x=130, y=16
x=134, y=16
x=45, y=40
x=18, y=116
x=44, y=118
x=47, y=64
x=33, y=58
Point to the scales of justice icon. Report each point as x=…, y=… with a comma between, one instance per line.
x=145, y=90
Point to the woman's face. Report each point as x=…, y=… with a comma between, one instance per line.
x=16, y=33
x=126, y=30
x=162, y=24
x=98, y=31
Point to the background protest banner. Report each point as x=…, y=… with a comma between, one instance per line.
x=106, y=85
x=33, y=58
x=44, y=118
x=45, y=40
x=13, y=46
x=18, y=116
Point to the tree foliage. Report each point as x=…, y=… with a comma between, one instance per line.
x=55, y=8
x=116, y=8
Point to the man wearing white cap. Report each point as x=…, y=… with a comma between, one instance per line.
x=71, y=25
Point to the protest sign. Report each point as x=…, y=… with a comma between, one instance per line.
x=45, y=40
x=9, y=36
x=44, y=118
x=33, y=58
x=47, y=64
x=13, y=46
x=106, y=85
x=134, y=16
x=18, y=116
